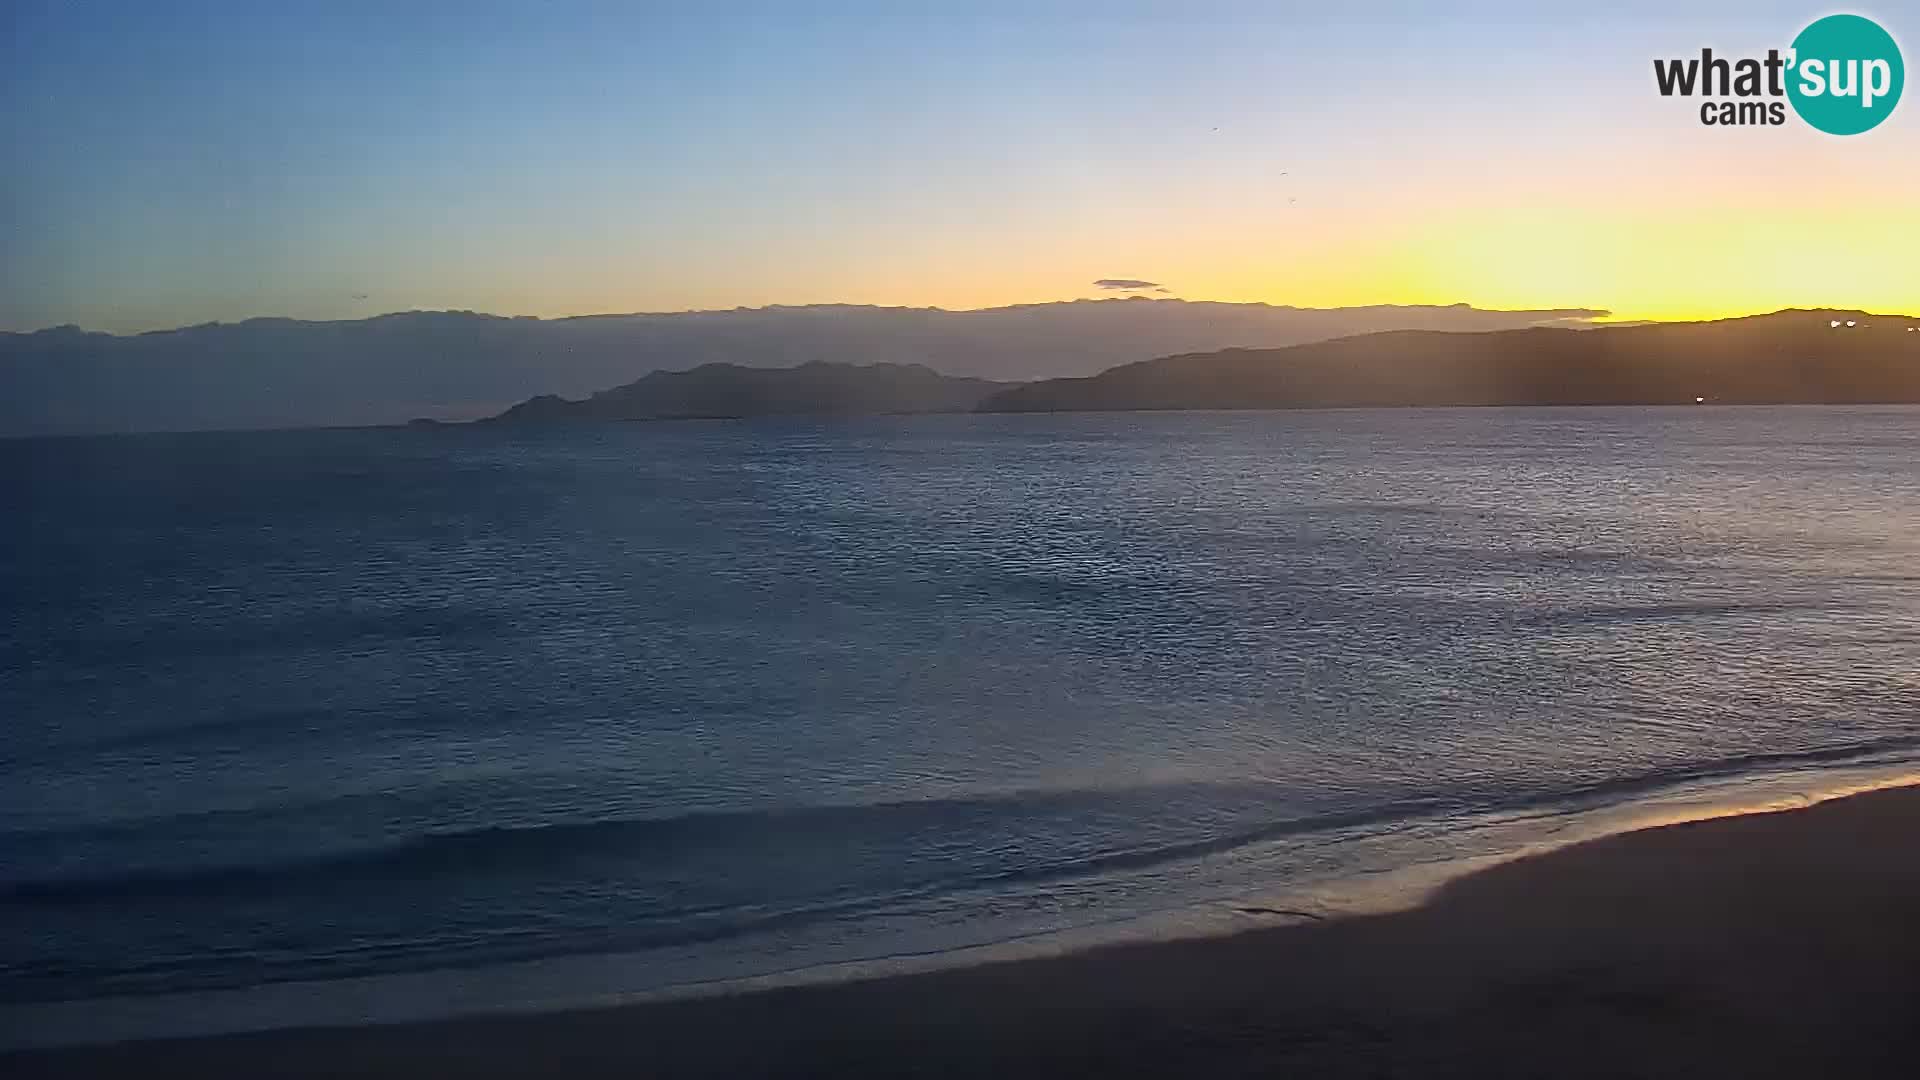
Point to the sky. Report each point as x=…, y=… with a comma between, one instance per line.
x=177, y=163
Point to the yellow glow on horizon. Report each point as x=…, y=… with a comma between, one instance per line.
x=1657, y=265
x=1637, y=256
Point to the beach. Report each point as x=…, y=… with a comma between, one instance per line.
x=578, y=541
x=1766, y=944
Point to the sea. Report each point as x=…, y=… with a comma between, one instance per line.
x=341, y=726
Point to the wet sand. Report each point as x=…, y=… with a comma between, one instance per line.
x=1775, y=944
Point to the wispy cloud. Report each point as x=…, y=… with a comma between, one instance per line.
x=1124, y=284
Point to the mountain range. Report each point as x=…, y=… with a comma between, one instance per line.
x=1783, y=358
x=1788, y=357
x=453, y=365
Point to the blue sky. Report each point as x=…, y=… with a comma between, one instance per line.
x=175, y=163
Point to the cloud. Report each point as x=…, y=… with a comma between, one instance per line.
x=1128, y=284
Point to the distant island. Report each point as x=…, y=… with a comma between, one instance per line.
x=837, y=359
x=1788, y=357
x=715, y=391
x=462, y=365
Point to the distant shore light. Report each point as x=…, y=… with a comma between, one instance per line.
x=1834, y=323
x=1699, y=401
x=1849, y=322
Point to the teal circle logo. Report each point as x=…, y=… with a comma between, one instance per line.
x=1846, y=74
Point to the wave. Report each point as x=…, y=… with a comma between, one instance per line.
x=540, y=850
x=1715, y=769
x=533, y=847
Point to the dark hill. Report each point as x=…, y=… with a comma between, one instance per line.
x=454, y=365
x=1788, y=357
x=730, y=390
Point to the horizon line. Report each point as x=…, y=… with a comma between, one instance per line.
x=1590, y=316
x=1551, y=312
x=1597, y=315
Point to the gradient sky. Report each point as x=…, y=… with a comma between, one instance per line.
x=174, y=163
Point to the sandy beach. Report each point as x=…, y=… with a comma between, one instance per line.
x=1771, y=944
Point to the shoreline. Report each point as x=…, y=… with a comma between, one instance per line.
x=1381, y=875
x=1792, y=931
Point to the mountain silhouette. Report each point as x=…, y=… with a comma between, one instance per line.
x=454, y=365
x=731, y=390
x=1788, y=357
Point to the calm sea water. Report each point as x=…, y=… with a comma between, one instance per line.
x=732, y=698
